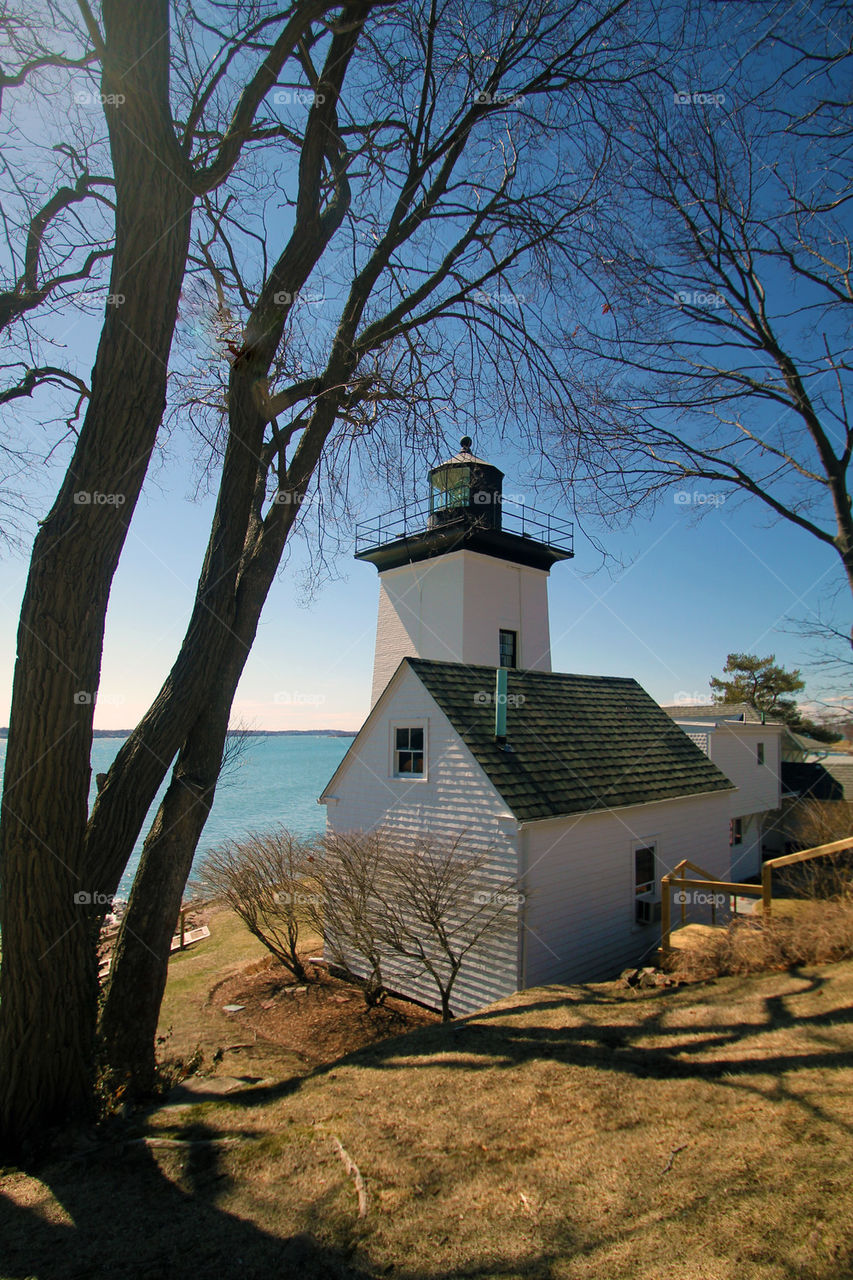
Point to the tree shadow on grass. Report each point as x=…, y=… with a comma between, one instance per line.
x=124, y=1216
x=506, y=1037
x=129, y=1221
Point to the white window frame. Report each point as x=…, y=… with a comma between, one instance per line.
x=414, y=723
x=516, y=631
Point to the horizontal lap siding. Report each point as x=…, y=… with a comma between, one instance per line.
x=579, y=917
x=735, y=752
x=746, y=857
x=454, y=798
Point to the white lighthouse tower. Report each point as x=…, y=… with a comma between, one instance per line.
x=463, y=577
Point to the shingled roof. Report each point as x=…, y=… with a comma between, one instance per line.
x=578, y=743
x=742, y=711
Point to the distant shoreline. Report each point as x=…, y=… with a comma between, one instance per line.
x=246, y=733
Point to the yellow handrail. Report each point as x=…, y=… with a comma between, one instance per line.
x=788, y=859
x=764, y=891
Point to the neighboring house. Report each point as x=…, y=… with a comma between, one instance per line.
x=580, y=789
x=748, y=749
x=811, y=770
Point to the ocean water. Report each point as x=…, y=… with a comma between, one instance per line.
x=276, y=780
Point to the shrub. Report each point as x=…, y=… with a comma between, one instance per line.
x=819, y=933
x=265, y=879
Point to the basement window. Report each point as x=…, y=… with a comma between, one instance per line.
x=409, y=752
x=644, y=869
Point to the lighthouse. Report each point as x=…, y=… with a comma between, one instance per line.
x=463, y=574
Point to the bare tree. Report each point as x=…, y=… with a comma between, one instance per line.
x=440, y=903
x=440, y=187
x=443, y=207
x=263, y=877
x=352, y=879
x=160, y=168
x=814, y=822
x=716, y=347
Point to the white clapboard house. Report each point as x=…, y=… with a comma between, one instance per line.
x=749, y=749
x=580, y=788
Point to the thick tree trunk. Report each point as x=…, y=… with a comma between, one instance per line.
x=131, y=1007
x=46, y=1026
x=134, y=992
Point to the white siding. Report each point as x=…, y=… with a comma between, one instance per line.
x=454, y=797
x=733, y=747
x=734, y=750
x=451, y=609
x=746, y=856
x=579, y=919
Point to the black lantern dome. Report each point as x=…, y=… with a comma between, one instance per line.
x=465, y=488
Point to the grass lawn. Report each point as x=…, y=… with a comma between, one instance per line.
x=577, y=1133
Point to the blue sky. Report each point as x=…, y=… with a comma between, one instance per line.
x=690, y=591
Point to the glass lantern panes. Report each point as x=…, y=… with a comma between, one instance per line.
x=450, y=487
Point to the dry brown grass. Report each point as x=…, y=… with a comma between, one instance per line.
x=577, y=1133
x=817, y=932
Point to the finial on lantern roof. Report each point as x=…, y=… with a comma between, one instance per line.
x=465, y=442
